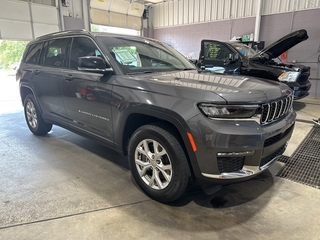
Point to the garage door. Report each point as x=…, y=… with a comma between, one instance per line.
x=118, y=13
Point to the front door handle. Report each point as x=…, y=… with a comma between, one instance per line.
x=68, y=77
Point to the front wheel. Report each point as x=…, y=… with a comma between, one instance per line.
x=158, y=163
x=33, y=117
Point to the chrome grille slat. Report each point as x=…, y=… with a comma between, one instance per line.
x=265, y=113
x=278, y=109
x=274, y=110
x=288, y=103
x=285, y=101
x=282, y=107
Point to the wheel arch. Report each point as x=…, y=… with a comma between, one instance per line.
x=25, y=89
x=137, y=117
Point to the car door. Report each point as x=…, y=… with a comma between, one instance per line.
x=47, y=79
x=87, y=95
x=217, y=57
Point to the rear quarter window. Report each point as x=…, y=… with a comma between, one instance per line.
x=33, y=53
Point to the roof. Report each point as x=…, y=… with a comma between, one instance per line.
x=85, y=32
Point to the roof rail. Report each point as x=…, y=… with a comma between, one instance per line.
x=55, y=34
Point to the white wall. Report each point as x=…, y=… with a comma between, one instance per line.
x=184, y=12
x=21, y=21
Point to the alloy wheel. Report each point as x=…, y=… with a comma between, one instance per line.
x=31, y=114
x=153, y=164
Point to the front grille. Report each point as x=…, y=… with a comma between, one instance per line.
x=276, y=138
x=230, y=164
x=268, y=158
x=274, y=110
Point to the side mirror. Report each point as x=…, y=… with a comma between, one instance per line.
x=232, y=58
x=93, y=64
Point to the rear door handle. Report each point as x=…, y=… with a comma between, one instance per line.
x=68, y=77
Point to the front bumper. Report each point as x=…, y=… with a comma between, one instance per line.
x=233, y=151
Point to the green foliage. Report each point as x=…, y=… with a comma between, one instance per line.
x=95, y=28
x=52, y=52
x=11, y=52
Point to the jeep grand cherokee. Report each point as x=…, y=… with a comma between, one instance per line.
x=143, y=99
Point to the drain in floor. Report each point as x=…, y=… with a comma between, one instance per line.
x=304, y=164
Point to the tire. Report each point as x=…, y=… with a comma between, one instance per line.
x=164, y=178
x=33, y=117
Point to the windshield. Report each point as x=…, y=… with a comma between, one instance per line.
x=244, y=49
x=139, y=55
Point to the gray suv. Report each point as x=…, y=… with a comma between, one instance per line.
x=143, y=99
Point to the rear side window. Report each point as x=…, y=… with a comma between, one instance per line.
x=56, y=55
x=33, y=53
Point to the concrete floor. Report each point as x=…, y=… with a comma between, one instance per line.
x=63, y=186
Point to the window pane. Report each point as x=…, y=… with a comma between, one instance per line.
x=143, y=55
x=57, y=53
x=82, y=47
x=213, y=51
x=34, y=53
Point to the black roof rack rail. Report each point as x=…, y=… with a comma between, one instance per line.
x=55, y=34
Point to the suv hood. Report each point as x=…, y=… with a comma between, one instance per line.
x=285, y=43
x=233, y=89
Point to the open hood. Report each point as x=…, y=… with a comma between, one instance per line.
x=285, y=43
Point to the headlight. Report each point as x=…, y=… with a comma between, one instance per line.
x=228, y=111
x=288, y=76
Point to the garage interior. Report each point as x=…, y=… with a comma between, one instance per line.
x=63, y=186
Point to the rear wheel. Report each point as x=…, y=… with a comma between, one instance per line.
x=33, y=117
x=158, y=163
